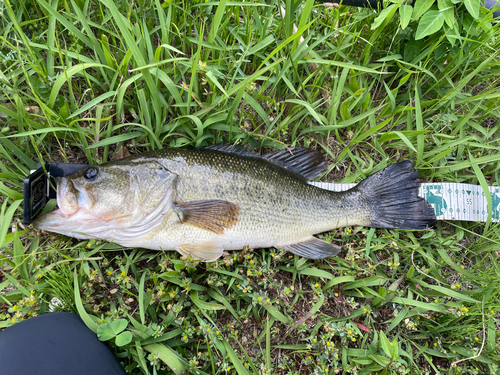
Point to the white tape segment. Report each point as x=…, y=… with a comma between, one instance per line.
x=451, y=201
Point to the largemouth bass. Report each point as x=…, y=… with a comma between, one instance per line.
x=202, y=202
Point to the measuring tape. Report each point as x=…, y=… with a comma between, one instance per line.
x=451, y=201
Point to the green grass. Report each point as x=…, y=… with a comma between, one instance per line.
x=80, y=78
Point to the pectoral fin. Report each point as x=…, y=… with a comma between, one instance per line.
x=313, y=249
x=207, y=251
x=211, y=215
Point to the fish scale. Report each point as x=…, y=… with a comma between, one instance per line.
x=276, y=208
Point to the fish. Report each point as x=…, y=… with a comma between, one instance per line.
x=205, y=201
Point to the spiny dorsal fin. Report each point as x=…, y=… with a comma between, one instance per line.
x=230, y=149
x=307, y=162
x=313, y=249
x=211, y=215
x=304, y=161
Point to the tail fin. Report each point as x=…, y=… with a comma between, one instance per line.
x=393, y=196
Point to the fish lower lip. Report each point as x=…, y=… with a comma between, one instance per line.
x=50, y=220
x=53, y=219
x=67, y=198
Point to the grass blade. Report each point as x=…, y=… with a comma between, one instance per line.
x=89, y=322
x=168, y=356
x=238, y=366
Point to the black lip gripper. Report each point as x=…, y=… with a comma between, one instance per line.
x=40, y=186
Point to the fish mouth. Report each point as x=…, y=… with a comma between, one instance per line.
x=67, y=196
x=70, y=225
x=74, y=217
x=71, y=215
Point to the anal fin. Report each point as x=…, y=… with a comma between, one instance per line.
x=211, y=215
x=208, y=251
x=313, y=249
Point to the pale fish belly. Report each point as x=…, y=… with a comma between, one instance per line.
x=235, y=238
x=255, y=229
x=269, y=217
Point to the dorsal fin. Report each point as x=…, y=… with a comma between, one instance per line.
x=307, y=162
x=230, y=149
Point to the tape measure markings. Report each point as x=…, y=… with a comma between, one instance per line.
x=451, y=201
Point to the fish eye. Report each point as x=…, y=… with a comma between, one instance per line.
x=90, y=173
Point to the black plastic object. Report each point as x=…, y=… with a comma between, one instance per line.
x=55, y=344
x=492, y=4
x=40, y=186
